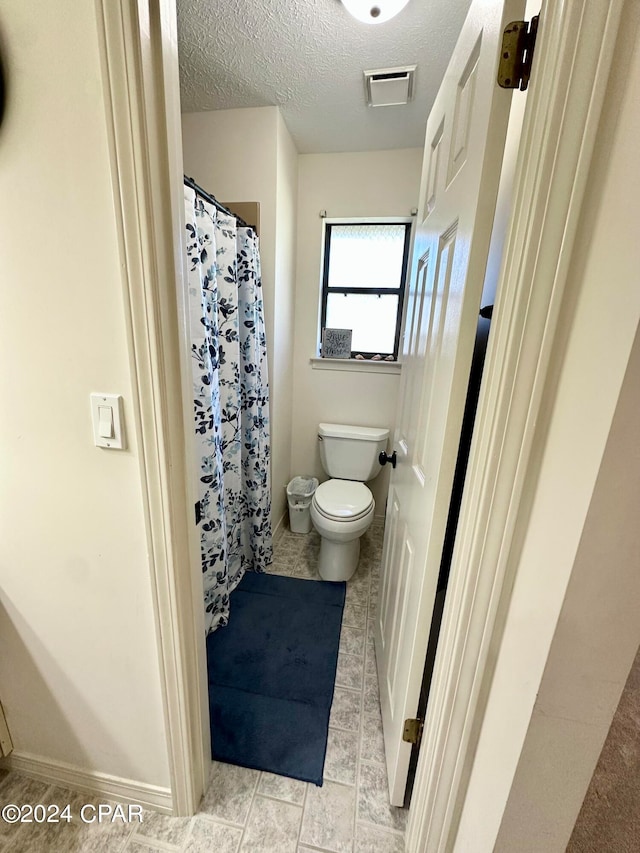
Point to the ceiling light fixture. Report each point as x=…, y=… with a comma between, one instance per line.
x=374, y=11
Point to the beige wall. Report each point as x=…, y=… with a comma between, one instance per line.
x=233, y=154
x=248, y=155
x=382, y=183
x=572, y=630
x=79, y=678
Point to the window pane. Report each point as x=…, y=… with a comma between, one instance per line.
x=366, y=255
x=372, y=319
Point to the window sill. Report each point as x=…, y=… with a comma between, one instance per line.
x=356, y=365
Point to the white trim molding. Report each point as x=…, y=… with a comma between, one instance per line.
x=570, y=72
x=356, y=365
x=91, y=782
x=141, y=91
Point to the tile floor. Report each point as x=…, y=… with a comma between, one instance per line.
x=247, y=810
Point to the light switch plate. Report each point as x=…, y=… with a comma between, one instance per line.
x=113, y=402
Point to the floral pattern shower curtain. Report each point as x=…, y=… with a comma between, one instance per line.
x=231, y=401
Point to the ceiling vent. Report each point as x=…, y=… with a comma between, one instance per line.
x=387, y=87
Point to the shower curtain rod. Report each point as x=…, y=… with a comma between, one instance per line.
x=214, y=201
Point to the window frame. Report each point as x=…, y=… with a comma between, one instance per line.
x=399, y=291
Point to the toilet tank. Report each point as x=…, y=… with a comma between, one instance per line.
x=351, y=452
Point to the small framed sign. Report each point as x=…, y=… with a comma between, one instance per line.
x=336, y=343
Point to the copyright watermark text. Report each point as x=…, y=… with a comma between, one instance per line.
x=88, y=813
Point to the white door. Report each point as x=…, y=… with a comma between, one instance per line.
x=464, y=146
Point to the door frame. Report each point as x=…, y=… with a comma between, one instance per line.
x=139, y=52
x=570, y=73
x=573, y=57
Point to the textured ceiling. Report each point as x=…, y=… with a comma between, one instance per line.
x=307, y=57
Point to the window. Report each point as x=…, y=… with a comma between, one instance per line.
x=365, y=266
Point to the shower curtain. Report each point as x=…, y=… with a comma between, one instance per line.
x=231, y=401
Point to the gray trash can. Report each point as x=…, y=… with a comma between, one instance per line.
x=299, y=495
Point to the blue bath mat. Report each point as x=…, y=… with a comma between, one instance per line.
x=272, y=671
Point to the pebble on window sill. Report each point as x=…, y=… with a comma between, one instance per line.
x=378, y=357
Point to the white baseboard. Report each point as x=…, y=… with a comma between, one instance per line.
x=90, y=781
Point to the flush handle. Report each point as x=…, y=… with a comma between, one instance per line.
x=384, y=458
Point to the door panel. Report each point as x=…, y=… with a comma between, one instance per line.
x=413, y=355
x=391, y=542
x=462, y=113
x=433, y=172
x=435, y=364
x=399, y=605
x=463, y=153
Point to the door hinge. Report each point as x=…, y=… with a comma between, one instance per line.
x=412, y=732
x=516, y=54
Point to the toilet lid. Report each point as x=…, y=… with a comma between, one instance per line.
x=344, y=499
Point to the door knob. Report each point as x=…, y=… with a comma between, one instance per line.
x=384, y=458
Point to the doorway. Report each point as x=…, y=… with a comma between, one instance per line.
x=175, y=604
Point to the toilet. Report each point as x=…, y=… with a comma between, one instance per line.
x=342, y=508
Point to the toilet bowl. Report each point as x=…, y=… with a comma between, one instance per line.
x=342, y=508
x=341, y=511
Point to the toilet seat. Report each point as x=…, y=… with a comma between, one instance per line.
x=343, y=500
